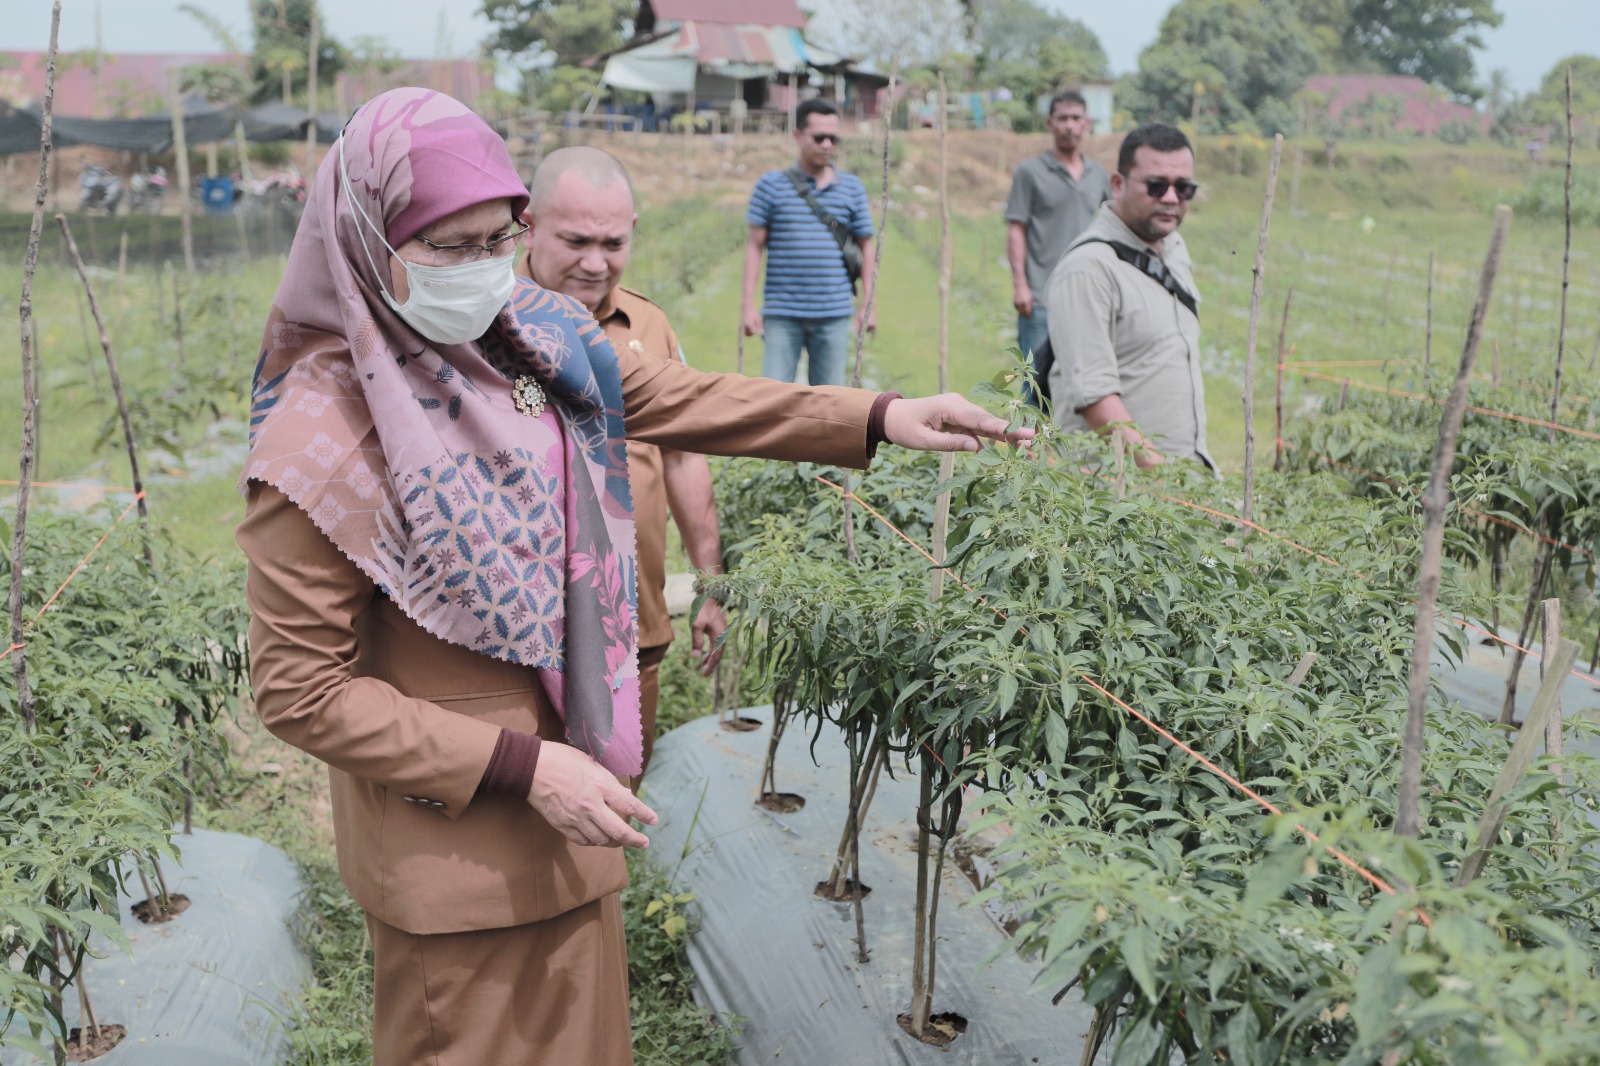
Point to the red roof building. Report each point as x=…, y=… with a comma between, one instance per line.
x=1412, y=105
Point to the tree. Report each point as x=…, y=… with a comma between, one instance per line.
x=569, y=30
x=1432, y=39
x=283, y=45
x=916, y=33
x=1031, y=50
x=1548, y=105
x=1229, y=65
x=227, y=82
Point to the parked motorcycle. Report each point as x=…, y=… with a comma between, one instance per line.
x=284, y=190
x=146, y=191
x=99, y=190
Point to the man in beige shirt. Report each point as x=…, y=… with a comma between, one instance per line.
x=1124, y=311
x=582, y=216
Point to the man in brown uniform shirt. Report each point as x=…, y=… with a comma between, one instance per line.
x=582, y=216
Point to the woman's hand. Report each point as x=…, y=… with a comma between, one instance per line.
x=584, y=801
x=948, y=422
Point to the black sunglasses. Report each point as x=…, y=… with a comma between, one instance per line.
x=1157, y=188
x=824, y=138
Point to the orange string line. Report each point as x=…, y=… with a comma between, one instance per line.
x=1429, y=399
x=79, y=568
x=1371, y=878
x=1337, y=362
x=70, y=485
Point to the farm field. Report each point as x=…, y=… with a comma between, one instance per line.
x=1354, y=243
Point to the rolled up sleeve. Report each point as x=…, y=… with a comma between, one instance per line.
x=1082, y=306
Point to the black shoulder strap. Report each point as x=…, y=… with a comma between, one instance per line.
x=1151, y=267
x=835, y=227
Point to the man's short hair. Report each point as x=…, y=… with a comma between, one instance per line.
x=1067, y=96
x=599, y=168
x=1156, y=136
x=814, y=106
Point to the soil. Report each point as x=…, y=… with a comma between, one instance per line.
x=110, y=1036
x=741, y=724
x=942, y=1029
x=145, y=911
x=851, y=892
x=781, y=802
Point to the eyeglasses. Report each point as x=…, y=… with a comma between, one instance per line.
x=1157, y=188
x=471, y=253
x=824, y=138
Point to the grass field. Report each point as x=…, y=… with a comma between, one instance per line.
x=1354, y=246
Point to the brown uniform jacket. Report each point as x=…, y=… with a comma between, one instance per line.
x=631, y=321
x=407, y=722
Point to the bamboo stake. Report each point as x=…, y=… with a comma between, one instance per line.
x=1566, y=275
x=30, y=381
x=1522, y=753
x=1283, y=353
x=1552, y=726
x=947, y=460
x=315, y=46
x=122, y=258
x=870, y=297
x=177, y=317
x=1494, y=367
x=180, y=148
x=1427, y=345
x=739, y=366
x=1344, y=394
x=1302, y=669
x=1435, y=499
x=1593, y=352
x=1259, y=273
x=116, y=388
x=1542, y=558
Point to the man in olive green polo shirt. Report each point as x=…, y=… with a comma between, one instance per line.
x=1124, y=310
x=582, y=216
x=1053, y=197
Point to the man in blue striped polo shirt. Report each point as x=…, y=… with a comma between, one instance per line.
x=809, y=297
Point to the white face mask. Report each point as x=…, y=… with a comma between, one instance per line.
x=455, y=304
x=446, y=304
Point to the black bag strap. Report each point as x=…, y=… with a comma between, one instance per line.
x=1151, y=267
x=835, y=227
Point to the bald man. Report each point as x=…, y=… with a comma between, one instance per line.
x=582, y=219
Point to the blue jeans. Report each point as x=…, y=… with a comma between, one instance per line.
x=826, y=341
x=1031, y=335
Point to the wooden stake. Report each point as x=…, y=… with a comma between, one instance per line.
x=116, y=387
x=122, y=258
x=1494, y=367
x=739, y=366
x=177, y=317
x=947, y=460
x=1283, y=353
x=1259, y=273
x=1552, y=639
x=30, y=381
x=180, y=149
x=1427, y=344
x=1435, y=500
x=311, y=92
x=1522, y=753
x=1566, y=276
x=1344, y=394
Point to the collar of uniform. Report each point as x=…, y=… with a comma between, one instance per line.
x=1113, y=221
x=620, y=306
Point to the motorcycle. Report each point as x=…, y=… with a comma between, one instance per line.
x=284, y=190
x=146, y=191
x=99, y=189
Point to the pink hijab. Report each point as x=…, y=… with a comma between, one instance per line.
x=508, y=534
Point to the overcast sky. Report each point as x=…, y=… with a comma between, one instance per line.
x=1535, y=34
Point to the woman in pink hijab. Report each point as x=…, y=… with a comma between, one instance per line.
x=441, y=548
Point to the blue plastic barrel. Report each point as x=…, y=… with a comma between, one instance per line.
x=217, y=194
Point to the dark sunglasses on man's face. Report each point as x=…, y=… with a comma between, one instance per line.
x=1157, y=188
x=824, y=138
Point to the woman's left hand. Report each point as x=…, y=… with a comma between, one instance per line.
x=948, y=422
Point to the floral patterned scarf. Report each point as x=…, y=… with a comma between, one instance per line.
x=507, y=533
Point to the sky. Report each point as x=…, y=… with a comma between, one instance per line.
x=1534, y=35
